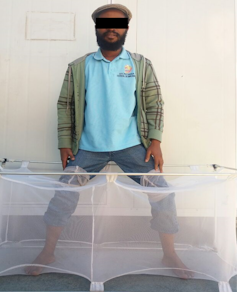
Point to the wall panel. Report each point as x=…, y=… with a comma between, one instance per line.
x=191, y=46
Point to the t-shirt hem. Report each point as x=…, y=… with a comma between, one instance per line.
x=109, y=150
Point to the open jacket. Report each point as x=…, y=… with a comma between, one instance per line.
x=71, y=103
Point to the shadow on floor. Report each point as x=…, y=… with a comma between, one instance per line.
x=129, y=283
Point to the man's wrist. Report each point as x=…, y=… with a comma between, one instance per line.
x=154, y=141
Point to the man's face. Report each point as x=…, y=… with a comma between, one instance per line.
x=111, y=39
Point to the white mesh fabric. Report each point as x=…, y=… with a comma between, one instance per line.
x=80, y=180
x=110, y=232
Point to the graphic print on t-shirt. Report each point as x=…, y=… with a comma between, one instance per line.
x=127, y=70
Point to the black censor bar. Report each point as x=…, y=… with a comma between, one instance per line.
x=111, y=23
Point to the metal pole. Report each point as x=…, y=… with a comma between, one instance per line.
x=4, y=160
x=216, y=166
x=116, y=173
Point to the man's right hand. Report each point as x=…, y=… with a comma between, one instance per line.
x=65, y=153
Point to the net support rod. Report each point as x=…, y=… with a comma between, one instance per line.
x=5, y=160
x=219, y=166
x=97, y=287
x=224, y=287
x=93, y=239
x=116, y=173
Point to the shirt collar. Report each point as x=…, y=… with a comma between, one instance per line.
x=123, y=55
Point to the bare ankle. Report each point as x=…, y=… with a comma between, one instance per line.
x=170, y=254
x=48, y=252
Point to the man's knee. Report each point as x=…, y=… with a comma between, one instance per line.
x=164, y=215
x=77, y=179
x=64, y=202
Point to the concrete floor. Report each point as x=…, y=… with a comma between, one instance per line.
x=130, y=283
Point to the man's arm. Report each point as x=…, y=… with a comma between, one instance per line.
x=64, y=108
x=155, y=116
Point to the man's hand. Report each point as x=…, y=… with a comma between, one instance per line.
x=155, y=150
x=65, y=152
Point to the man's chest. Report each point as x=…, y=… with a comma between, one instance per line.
x=117, y=75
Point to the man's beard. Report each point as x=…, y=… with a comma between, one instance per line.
x=110, y=46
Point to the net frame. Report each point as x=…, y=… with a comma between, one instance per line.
x=111, y=177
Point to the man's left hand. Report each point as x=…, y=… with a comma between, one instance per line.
x=155, y=150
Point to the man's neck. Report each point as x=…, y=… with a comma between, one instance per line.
x=110, y=54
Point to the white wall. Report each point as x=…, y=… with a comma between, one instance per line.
x=190, y=43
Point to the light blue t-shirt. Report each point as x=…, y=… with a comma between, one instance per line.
x=110, y=110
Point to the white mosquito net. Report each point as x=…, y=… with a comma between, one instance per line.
x=116, y=224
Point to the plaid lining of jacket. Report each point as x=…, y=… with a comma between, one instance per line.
x=71, y=103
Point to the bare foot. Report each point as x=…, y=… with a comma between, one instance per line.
x=173, y=261
x=42, y=259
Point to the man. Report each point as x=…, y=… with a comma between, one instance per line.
x=103, y=115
